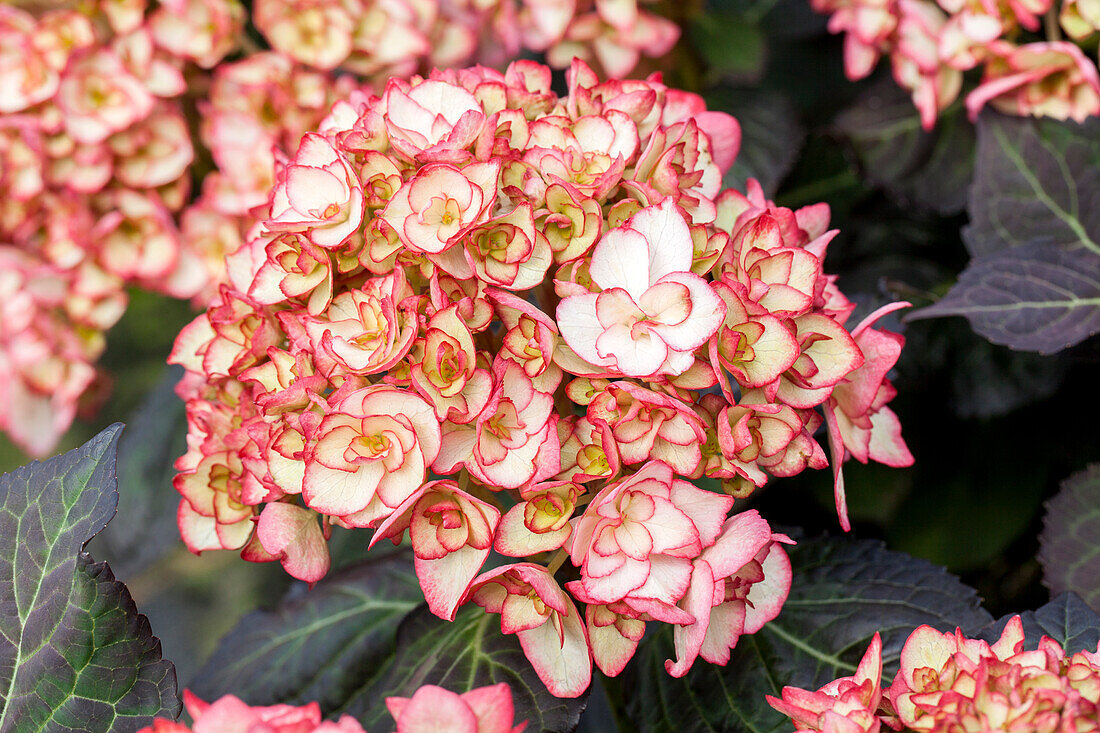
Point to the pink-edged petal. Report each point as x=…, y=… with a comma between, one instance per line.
x=993, y=88
x=538, y=577
x=432, y=709
x=725, y=137
x=665, y=302
x=621, y=260
x=446, y=580
x=563, y=663
x=234, y=536
x=580, y=327
x=669, y=578
x=610, y=649
x=313, y=189
x=767, y=597
x=515, y=540
x=856, y=394
x=518, y=613
x=727, y=623
x=870, y=665
x=672, y=530
x=1011, y=640
x=531, y=462
x=493, y=707
x=369, y=516
x=628, y=576
x=688, y=640
x=335, y=492
x=198, y=532
x=836, y=457
x=670, y=247
x=390, y=401
x=397, y=522
x=878, y=313
x=707, y=313
x=397, y=485
x=228, y=713
x=293, y=535
x=601, y=566
x=925, y=647
x=456, y=448
x=743, y=535
x=706, y=509
x=635, y=354
x=190, y=342
x=887, y=445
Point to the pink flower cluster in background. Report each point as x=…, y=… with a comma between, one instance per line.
x=494, y=318
x=103, y=105
x=950, y=682
x=931, y=43
x=431, y=709
x=94, y=156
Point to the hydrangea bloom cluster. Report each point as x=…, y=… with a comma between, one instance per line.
x=94, y=154
x=431, y=709
x=96, y=149
x=497, y=319
x=949, y=682
x=931, y=43
x=259, y=107
x=399, y=37
x=254, y=109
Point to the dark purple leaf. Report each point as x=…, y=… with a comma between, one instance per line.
x=1034, y=297
x=74, y=653
x=771, y=137
x=1035, y=181
x=1066, y=619
x=323, y=644
x=365, y=634
x=931, y=169
x=1069, y=545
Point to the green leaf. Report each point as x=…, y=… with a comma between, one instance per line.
x=74, y=653
x=977, y=508
x=1033, y=297
x=324, y=644
x=1069, y=545
x=771, y=136
x=733, y=47
x=1036, y=181
x=929, y=169
x=145, y=527
x=469, y=652
x=844, y=591
x=1066, y=619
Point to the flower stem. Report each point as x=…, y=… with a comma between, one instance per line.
x=1050, y=25
x=557, y=560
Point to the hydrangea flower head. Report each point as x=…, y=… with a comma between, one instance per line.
x=495, y=318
